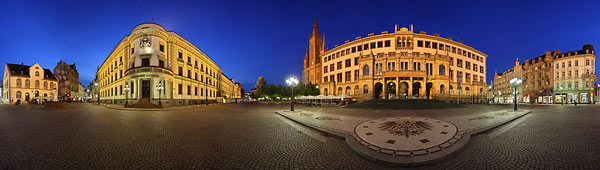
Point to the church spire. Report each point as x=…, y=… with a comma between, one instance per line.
x=315, y=26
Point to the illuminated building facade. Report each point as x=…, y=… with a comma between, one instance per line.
x=398, y=65
x=151, y=57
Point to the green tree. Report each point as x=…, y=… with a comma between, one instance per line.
x=261, y=85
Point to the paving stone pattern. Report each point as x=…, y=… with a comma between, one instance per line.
x=86, y=136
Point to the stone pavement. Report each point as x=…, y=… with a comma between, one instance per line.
x=404, y=140
x=121, y=107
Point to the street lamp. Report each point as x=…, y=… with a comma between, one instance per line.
x=97, y=92
x=126, y=89
x=292, y=82
x=562, y=101
x=515, y=82
x=488, y=95
x=160, y=88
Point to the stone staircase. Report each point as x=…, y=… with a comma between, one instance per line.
x=144, y=103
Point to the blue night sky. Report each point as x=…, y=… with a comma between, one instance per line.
x=250, y=39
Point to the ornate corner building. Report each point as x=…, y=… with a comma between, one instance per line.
x=398, y=65
x=28, y=83
x=152, y=57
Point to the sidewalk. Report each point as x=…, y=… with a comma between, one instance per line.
x=405, y=139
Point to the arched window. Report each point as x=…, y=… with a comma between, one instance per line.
x=365, y=89
x=467, y=91
x=37, y=84
x=27, y=83
x=52, y=85
x=45, y=85
x=442, y=89
x=325, y=92
x=339, y=91
x=451, y=90
x=356, y=90
x=18, y=94
x=366, y=70
x=19, y=83
x=442, y=70
x=348, y=90
x=37, y=73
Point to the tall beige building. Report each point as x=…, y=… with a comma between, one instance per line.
x=149, y=57
x=27, y=83
x=575, y=75
x=403, y=65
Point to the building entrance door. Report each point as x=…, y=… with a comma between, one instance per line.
x=145, y=88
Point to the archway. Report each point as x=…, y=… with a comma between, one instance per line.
x=339, y=92
x=428, y=88
x=390, y=90
x=378, y=89
x=415, y=89
x=403, y=90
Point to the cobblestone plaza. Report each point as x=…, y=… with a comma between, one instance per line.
x=252, y=136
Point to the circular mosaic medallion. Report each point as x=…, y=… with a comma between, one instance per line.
x=405, y=133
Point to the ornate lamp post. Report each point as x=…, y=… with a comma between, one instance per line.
x=488, y=95
x=515, y=82
x=126, y=89
x=54, y=92
x=159, y=88
x=292, y=82
x=97, y=92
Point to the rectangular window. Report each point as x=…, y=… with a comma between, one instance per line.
x=366, y=46
x=353, y=49
x=343, y=53
x=441, y=46
x=348, y=51
x=468, y=65
x=387, y=43
x=180, y=89
x=332, y=78
x=339, y=77
x=325, y=79
x=180, y=55
x=348, y=63
x=427, y=44
x=355, y=61
x=325, y=69
x=162, y=48
x=180, y=71
x=379, y=44
x=453, y=49
x=189, y=74
x=189, y=90
x=348, y=76
x=132, y=50
x=331, y=67
x=419, y=43
x=339, y=65
x=196, y=91
x=355, y=75
x=373, y=45
x=146, y=62
x=434, y=45
x=359, y=48
x=161, y=63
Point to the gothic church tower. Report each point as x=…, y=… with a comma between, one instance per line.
x=312, y=70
